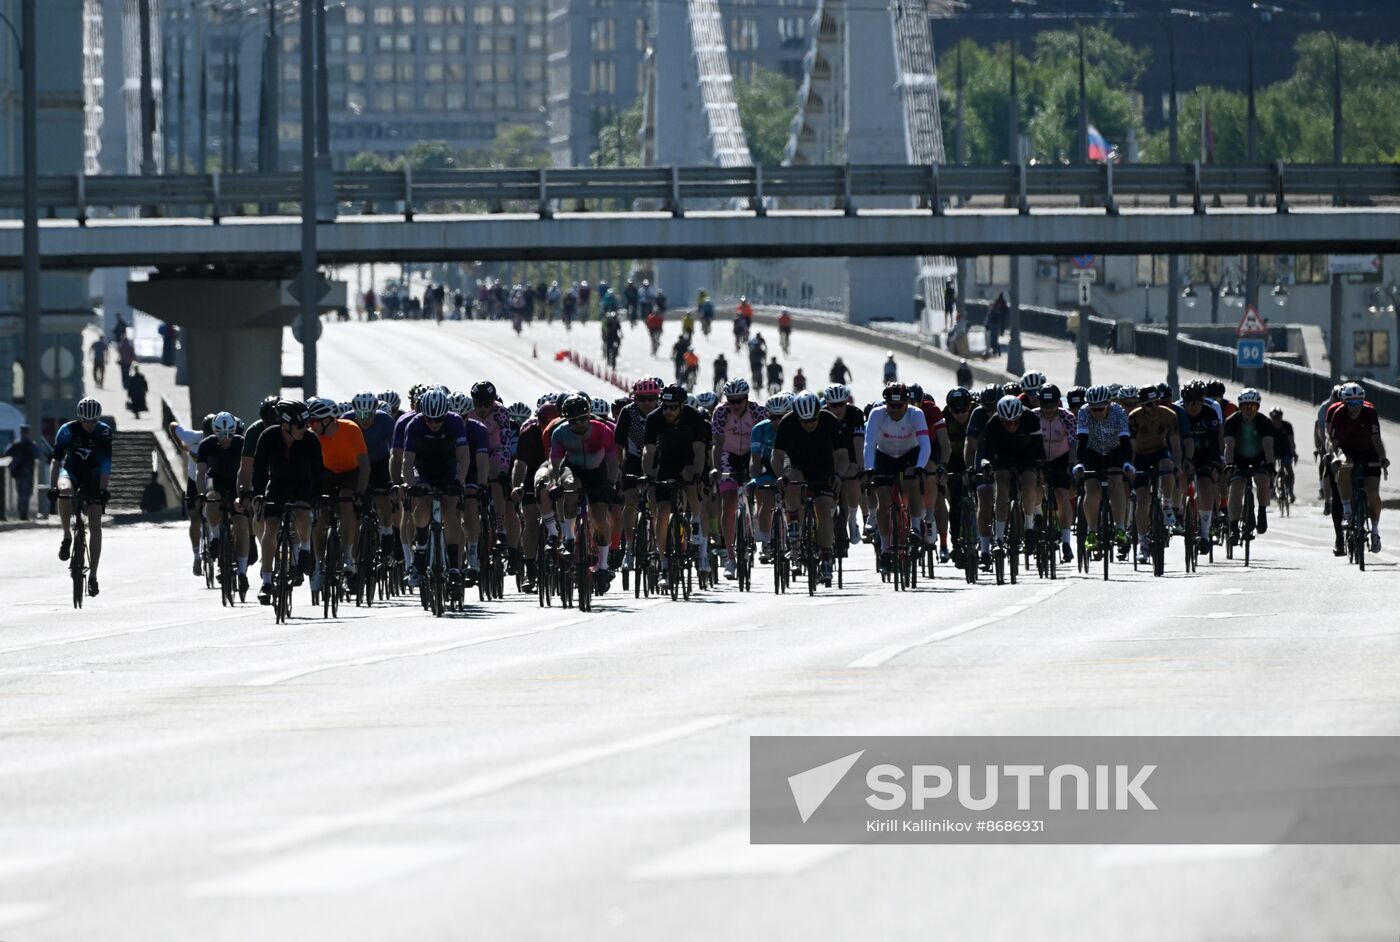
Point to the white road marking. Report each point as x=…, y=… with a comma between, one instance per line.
x=888, y=653
x=1216, y=616
x=273, y=679
x=487, y=783
x=193, y=620
x=1129, y=855
x=14, y=914
x=338, y=868
x=729, y=854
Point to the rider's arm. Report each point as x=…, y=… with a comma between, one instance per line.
x=780, y=464
x=921, y=433
x=649, y=461
x=201, y=480
x=362, y=475
x=410, y=461
x=1267, y=441
x=842, y=461
x=945, y=447
x=697, y=456
x=872, y=435
x=259, y=474
x=1377, y=444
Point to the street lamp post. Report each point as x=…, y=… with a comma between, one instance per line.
x=310, y=295
x=1173, y=260
x=1015, y=362
x=25, y=43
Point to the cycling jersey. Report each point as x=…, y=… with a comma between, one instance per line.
x=501, y=435
x=530, y=448
x=1249, y=435
x=1101, y=435
x=1150, y=427
x=675, y=441
x=435, y=450
x=1353, y=434
x=401, y=429
x=251, y=436
x=1057, y=433
x=933, y=416
x=378, y=435
x=221, y=463
x=1205, y=433
x=1019, y=448
x=1284, y=445
x=810, y=452
x=190, y=439
x=852, y=427
x=287, y=468
x=896, y=437
x=957, y=439
x=733, y=431
x=586, y=450
x=341, y=449
x=761, y=444
x=82, y=453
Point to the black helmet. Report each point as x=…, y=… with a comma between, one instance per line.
x=673, y=394
x=267, y=411
x=576, y=407
x=1075, y=397
x=484, y=392
x=291, y=411
x=1215, y=389
x=1012, y=389
x=958, y=397
x=916, y=392
x=1194, y=391
x=1049, y=394
x=1149, y=394
x=989, y=395
x=207, y=426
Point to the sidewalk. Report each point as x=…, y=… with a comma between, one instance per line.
x=160, y=379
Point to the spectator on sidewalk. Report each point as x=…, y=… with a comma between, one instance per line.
x=126, y=357
x=996, y=323
x=136, y=390
x=24, y=454
x=950, y=304
x=153, y=496
x=99, y=361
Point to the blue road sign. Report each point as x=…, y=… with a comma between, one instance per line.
x=1249, y=353
x=1084, y=261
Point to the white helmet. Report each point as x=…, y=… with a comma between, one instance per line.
x=318, y=407
x=779, y=405
x=459, y=402
x=1032, y=381
x=601, y=408
x=1098, y=395
x=519, y=412
x=692, y=401
x=225, y=424
x=806, y=405
x=1353, y=391
x=1249, y=394
x=736, y=388
x=1009, y=408
x=837, y=393
x=390, y=399
x=364, y=404
x=1127, y=391
x=89, y=409
x=708, y=400
x=546, y=400
x=344, y=408
x=433, y=404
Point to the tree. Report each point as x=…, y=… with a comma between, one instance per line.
x=515, y=146
x=619, y=139
x=431, y=155
x=767, y=105
x=369, y=160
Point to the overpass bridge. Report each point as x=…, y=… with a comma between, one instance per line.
x=203, y=220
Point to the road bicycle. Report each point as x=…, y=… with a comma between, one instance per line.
x=1157, y=535
x=77, y=559
x=1357, y=530
x=284, y=567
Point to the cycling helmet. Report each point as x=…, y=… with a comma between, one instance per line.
x=518, y=412
x=958, y=397
x=806, y=406
x=484, y=392
x=414, y=393
x=575, y=407
x=1128, y=392
x=989, y=395
x=602, y=409
x=1011, y=389
x=692, y=401
x=1075, y=397
x=619, y=404
x=736, y=388
x=646, y=387
x=1009, y=408
x=896, y=394
x=344, y=408
x=225, y=424
x=267, y=410
x=1275, y=411
x=433, y=404
x=459, y=403
x=1164, y=391
x=1352, y=392
x=708, y=400
x=364, y=404
x=673, y=394
x=1115, y=390
x=546, y=400
x=390, y=399
x=1098, y=395
x=1249, y=394
x=779, y=405
x=320, y=408
x=89, y=409
x=1150, y=394
x=1193, y=392
x=291, y=411
x=837, y=393
x=1215, y=389
x=207, y=426
x=1049, y=394
x=916, y=393
x=1032, y=381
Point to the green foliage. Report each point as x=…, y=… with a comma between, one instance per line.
x=766, y=109
x=369, y=160
x=619, y=143
x=515, y=146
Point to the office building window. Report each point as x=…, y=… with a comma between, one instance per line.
x=433, y=16
x=505, y=72
x=1152, y=270
x=602, y=77
x=383, y=101
x=993, y=269
x=534, y=71
x=384, y=42
x=482, y=72
x=406, y=12
x=384, y=16
x=335, y=43
x=456, y=100
x=792, y=30
x=1371, y=347
x=505, y=14
x=743, y=33
x=534, y=40
x=505, y=97
x=432, y=99
x=483, y=15
x=1310, y=269
x=457, y=14
x=355, y=73
x=403, y=100
x=354, y=16
x=534, y=16
x=434, y=72
x=383, y=71
x=405, y=72
x=456, y=72
x=434, y=41
x=291, y=71
x=354, y=43
x=456, y=43
x=355, y=102
x=403, y=43
x=602, y=35
x=505, y=45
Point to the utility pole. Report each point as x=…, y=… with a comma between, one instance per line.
x=236, y=115
x=310, y=293
x=1083, y=106
x=1173, y=260
x=1014, y=359
x=30, y=94
x=203, y=153
x=180, y=153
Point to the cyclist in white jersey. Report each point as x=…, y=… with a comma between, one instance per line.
x=896, y=440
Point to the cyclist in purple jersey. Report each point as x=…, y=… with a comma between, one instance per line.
x=582, y=457
x=490, y=412
x=436, y=455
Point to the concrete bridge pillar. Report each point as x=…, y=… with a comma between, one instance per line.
x=232, y=330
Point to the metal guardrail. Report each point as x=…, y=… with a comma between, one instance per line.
x=932, y=186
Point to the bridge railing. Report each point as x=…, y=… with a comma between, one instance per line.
x=672, y=188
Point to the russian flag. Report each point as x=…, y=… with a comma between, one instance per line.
x=1098, y=146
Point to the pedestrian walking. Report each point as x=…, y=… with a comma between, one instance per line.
x=24, y=455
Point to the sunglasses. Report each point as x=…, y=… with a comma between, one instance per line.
x=737, y=400
x=671, y=407
x=962, y=408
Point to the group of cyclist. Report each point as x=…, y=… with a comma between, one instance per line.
x=468, y=458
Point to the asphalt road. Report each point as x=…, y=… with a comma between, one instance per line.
x=174, y=770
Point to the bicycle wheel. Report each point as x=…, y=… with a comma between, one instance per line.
x=1015, y=524
x=1193, y=529
x=970, y=547
x=1105, y=530
x=1247, y=524
x=584, y=578
x=779, y=550
x=228, y=578
x=77, y=562
x=1157, y=536
x=1360, y=522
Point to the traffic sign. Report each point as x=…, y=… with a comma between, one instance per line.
x=1084, y=261
x=1353, y=264
x=1251, y=324
x=296, y=329
x=1249, y=353
x=1083, y=292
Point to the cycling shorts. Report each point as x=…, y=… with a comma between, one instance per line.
x=280, y=494
x=738, y=464
x=1152, y=459
x=379, y=474
x=1057, y=473
x=594, y=482
x=333, y=483
x=191, y=490
x=441, y=479
x=87, y=485
x=1353, y=458
x=888, y=466
x=1255, y=465
x=1095, y=463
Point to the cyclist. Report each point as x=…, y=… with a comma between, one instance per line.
x=687, y=323
x=690, y=366
x=838, y=403
x=1285, y=449
x=741, y=331
x=891, y=370
x=957, y=411
x=720, y=369
x=758, y=350
x=937, y=464
x=706, y=307
x=1155, y=434
x=654, y=321
x=675, y=438
x=1249, y=449
x=840, y=372
x=218, y=460
x=784, y=329
x=629, y=439
x=436, y=456
x=267, y=416
x=775, y=376
x=612, y=336
x=799, y=381
x=345, y=459
x=1074, y=399
x=80, y=469
x=1057, y=434
x=1321, y=451
x=530, y=454
x=1104, y=447
x=189, y=439
x=377, y=427
x=745, y=310
x=287, y=472
x=982, y=413
x=1354, y=429
x=807, y=448
x=1012, y=445
x=1202, y=455
x=731, y=429
x=488, y=409
x=765, y=479
x=896, y=440
x=582, y=457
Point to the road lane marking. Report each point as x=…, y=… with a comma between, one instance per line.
x=316, y=828
x=884, y=655
x=729, y=854
x=270, y=680
x=194, y=620
x=337, y=868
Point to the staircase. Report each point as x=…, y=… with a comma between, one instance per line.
x=132, y=463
